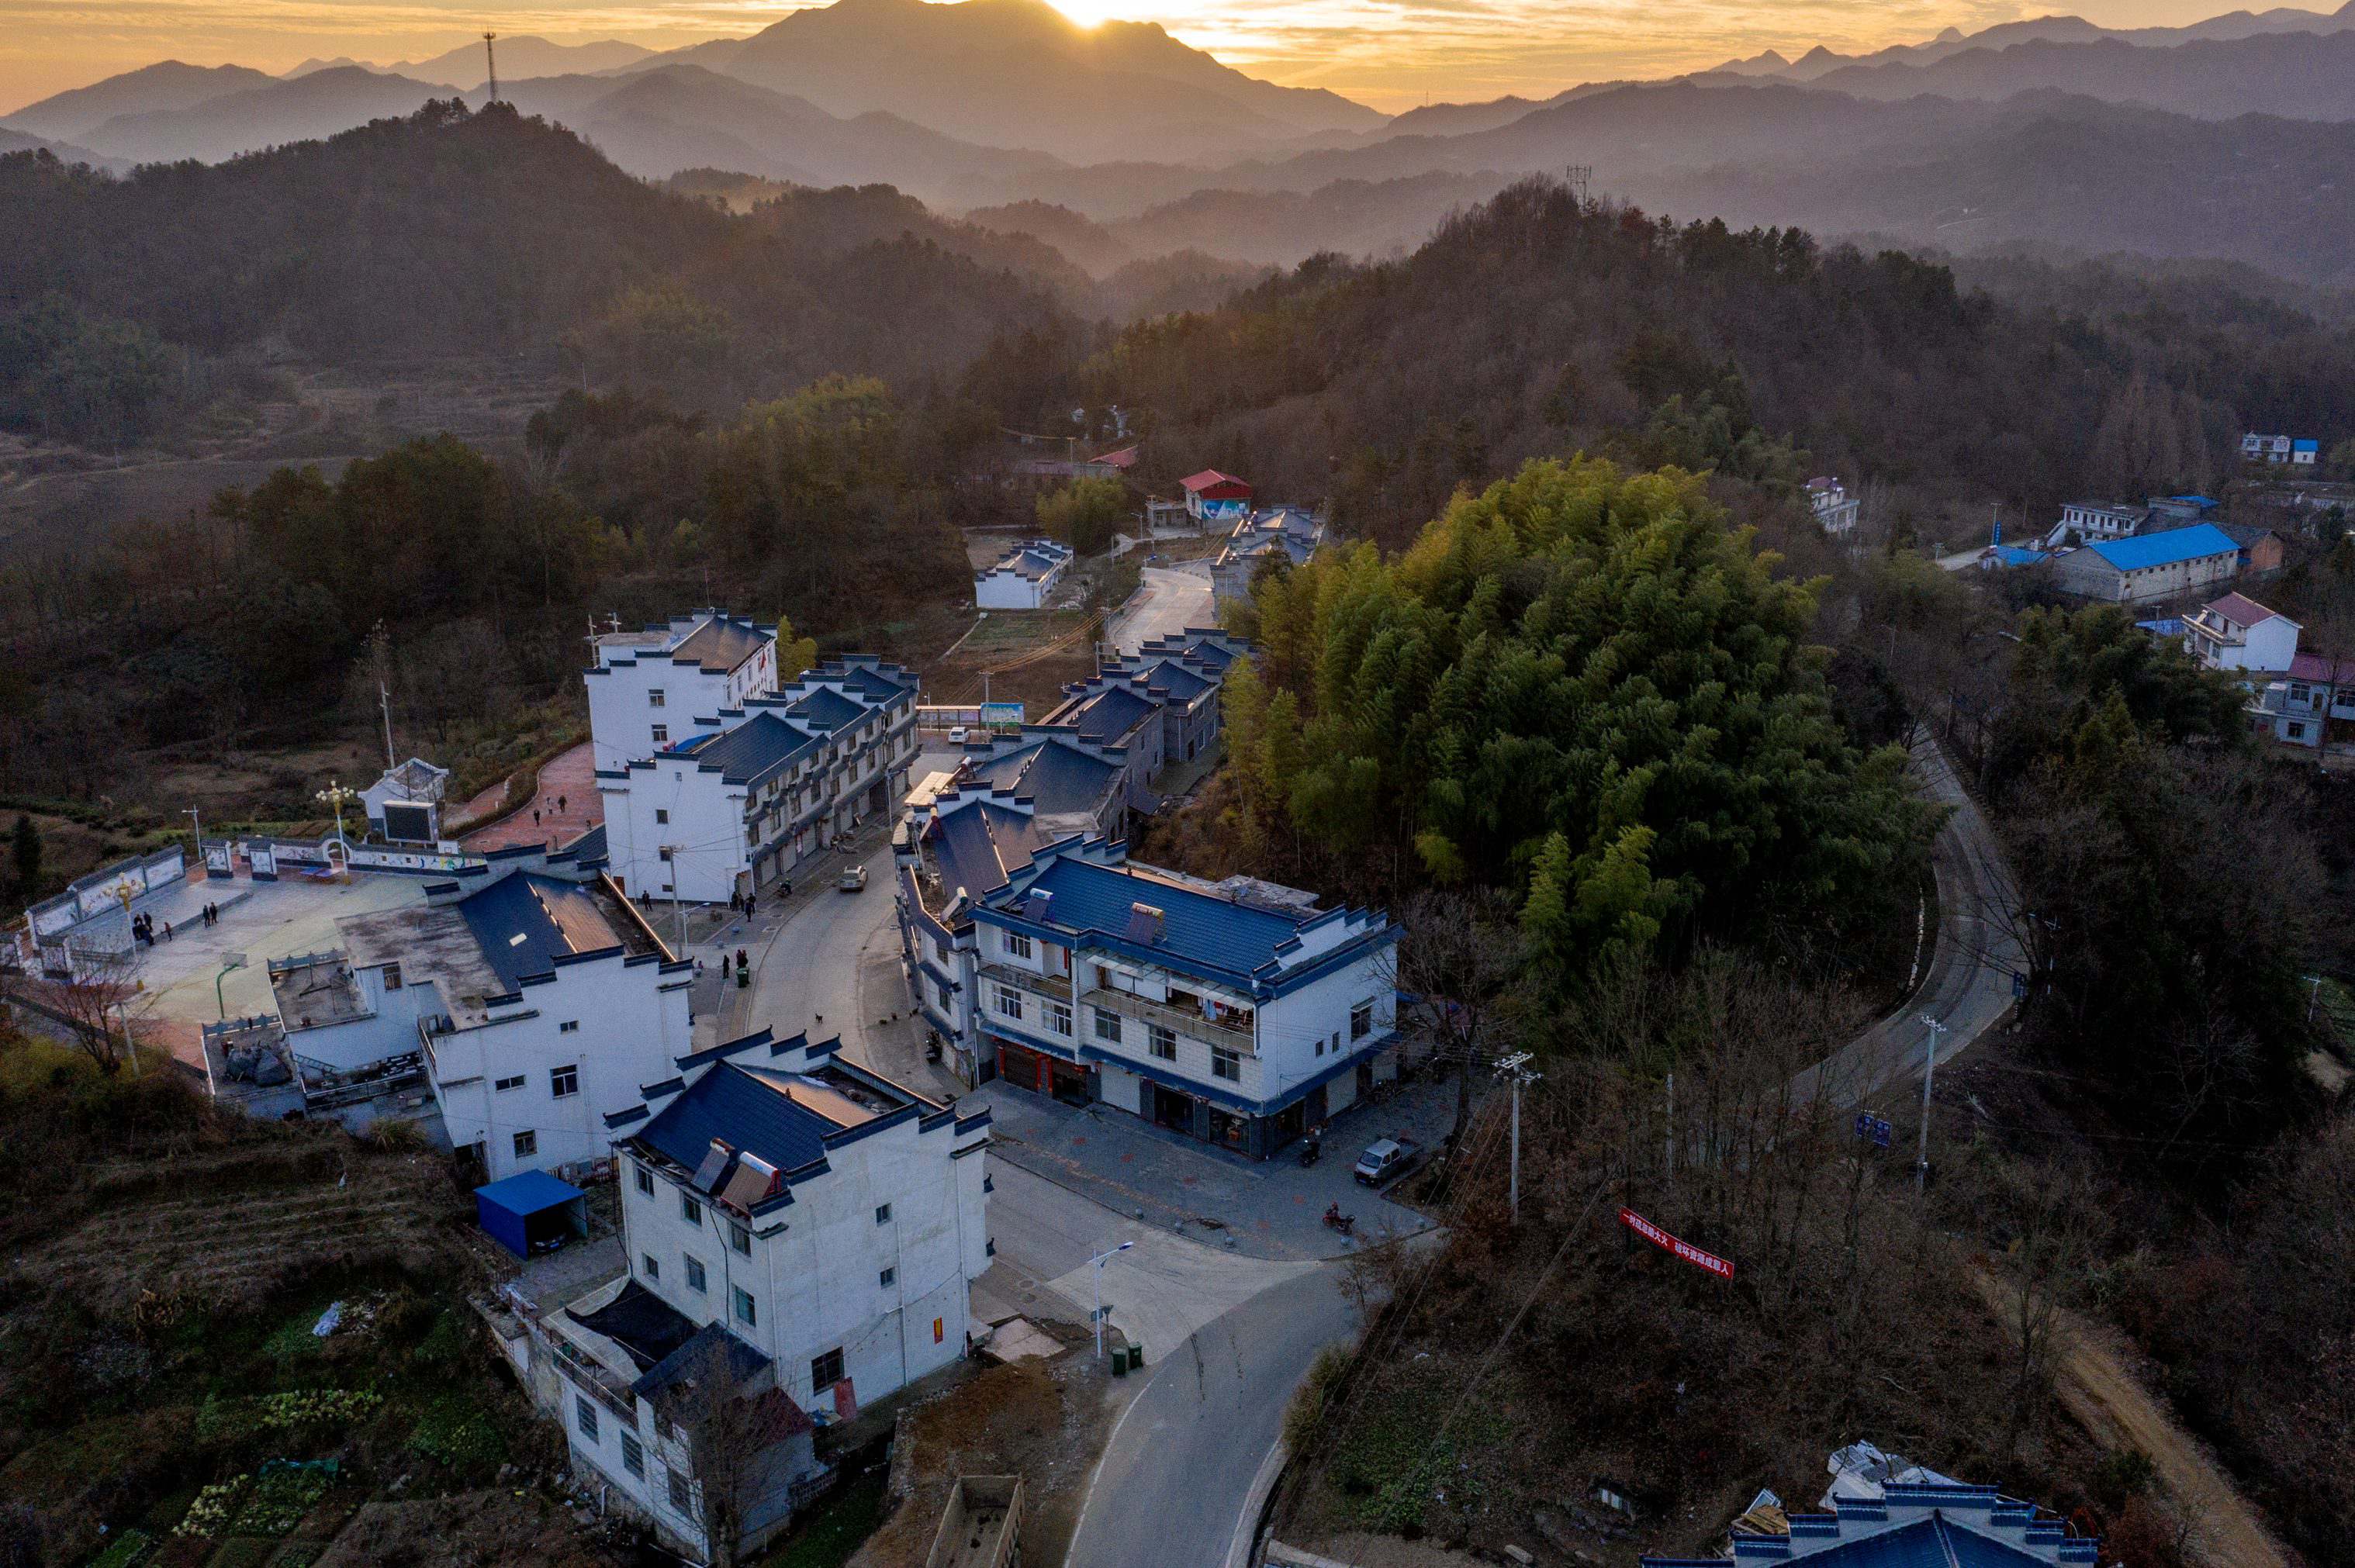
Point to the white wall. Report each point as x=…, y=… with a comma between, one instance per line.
x=671, y=801
x=1007, y=590
x=389, y=1030
x=814, y=1270
x=632, y=1022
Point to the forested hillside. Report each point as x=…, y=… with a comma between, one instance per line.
x=1533, y=325
x=454, y=233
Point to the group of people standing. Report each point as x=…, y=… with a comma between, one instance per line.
x=143, y=927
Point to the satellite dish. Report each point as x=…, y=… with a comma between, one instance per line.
x=1079, y=415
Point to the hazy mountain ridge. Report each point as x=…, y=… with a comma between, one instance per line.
x=159, y=89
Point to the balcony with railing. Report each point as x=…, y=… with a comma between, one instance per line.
x=1057, y=988
x=1232, y=1033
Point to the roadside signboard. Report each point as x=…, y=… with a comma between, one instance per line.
x=1001, y=716
x=1870, y=1127
x=1708, y=1262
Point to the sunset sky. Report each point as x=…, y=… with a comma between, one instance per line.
x=1392, y=54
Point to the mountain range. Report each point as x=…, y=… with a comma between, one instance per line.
x=1007, y=106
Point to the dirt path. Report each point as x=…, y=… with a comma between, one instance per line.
x=2097, y=1387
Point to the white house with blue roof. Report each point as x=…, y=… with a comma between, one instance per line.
x=647, y=687
x=2145, y=567
x=539, y=1003
x=827, y=1216
x=1025, y=577
x=1236, y=1012
x=745, y=794
x=1913, y=1525
x=1161, y=705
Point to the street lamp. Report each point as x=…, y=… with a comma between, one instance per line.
x=229, y=961
x=1096, y=1276
x=334, y=795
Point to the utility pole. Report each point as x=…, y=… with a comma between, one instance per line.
x=1096, y=1265
x=197, y=817
x=1929, y=1068
x=1515, y=1070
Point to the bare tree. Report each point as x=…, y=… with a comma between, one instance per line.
x=1461, y=959
x=94, y=1005
x=747, y=1442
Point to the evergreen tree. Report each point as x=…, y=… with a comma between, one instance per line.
x=24, y=849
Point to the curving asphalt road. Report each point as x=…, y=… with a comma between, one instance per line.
x=1969, y=987
x=1170, y=1488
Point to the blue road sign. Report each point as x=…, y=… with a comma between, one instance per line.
x=1871, y=1127
x=2019, y=986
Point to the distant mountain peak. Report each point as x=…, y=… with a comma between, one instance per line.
x=1953, y=35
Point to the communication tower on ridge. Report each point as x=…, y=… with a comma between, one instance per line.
x=491, y=61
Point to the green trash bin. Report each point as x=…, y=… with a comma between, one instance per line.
x=1120, y=1360
x=1136, y=1357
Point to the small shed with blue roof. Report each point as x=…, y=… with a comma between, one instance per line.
x=532, y=1211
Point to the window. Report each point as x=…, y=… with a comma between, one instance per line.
x=1320, y=1047
x=655, y=697
x=649, y=1266
x=695, y=1279
x=941, y=949
x=634, y=1457
x=681, y=1498
x=1058, y=1017
x=392, y=976
x=2298, y=732
x=662, y=734
x=662, y=816
x=584, y=1415
x=882, y=1213
x=940, y=988
x=665, y=853
x=569, y=1027
x=886, y=1277
x=825, y=1370
x=505, y=1084
x=527, y=1144
x=1225, y=1064
x=1107, y=1025
x=1018, y=945
x=1009, y=1001
x=645, y=1181
x=689, y=1210
x=1162, y=1040
x=565, y=1080
x=1362, y=1020
x=746, y=1313
x=740, y=1239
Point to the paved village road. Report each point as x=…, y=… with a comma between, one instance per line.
x=1172, y=598
x=1969, y=987
x=1175, y=1477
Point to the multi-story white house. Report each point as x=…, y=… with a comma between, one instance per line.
x=2236, y=632
x=2311, y=704
x=649, y=686
x=1235, y=1011
x=1834, y=510
x=539, y=1003
x=1025, y=577
x=795, y=1227
x=746, y=795
x=2297, y=450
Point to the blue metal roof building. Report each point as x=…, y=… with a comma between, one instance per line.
x=2166, y=548
x=1915, y=1525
